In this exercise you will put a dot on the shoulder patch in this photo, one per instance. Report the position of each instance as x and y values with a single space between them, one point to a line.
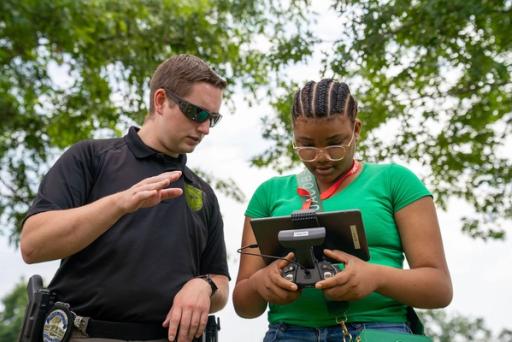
194 197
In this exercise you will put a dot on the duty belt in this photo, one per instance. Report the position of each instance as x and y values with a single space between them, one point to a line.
60 321
124 330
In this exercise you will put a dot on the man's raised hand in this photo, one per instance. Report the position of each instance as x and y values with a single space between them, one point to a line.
150 192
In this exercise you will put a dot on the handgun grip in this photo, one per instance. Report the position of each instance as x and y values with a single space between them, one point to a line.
39 301
35 283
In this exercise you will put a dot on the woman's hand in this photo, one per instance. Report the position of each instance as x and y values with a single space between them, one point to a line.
357 280
272 286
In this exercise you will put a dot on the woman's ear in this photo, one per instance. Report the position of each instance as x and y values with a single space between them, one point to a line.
357 128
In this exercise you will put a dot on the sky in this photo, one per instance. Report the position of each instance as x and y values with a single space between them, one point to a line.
480 270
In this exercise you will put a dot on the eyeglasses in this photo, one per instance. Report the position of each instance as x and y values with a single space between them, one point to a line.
332 152
194 112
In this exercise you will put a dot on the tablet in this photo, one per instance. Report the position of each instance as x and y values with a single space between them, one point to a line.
344 231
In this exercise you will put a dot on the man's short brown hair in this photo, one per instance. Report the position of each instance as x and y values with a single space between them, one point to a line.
179 73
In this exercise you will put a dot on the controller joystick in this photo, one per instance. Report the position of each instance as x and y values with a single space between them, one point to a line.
308 277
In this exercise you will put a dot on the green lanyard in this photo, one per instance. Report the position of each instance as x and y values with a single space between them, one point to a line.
308 188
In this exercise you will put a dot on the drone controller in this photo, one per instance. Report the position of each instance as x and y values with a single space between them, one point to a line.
306 270
307 277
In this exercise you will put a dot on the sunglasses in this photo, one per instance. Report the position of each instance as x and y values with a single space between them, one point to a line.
194 112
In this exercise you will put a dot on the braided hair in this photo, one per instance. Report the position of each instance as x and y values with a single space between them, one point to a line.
324 99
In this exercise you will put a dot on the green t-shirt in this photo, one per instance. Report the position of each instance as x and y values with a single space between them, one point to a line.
379 192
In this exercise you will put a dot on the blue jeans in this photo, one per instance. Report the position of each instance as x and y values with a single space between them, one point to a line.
283 332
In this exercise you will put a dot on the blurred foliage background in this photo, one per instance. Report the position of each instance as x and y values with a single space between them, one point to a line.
437 72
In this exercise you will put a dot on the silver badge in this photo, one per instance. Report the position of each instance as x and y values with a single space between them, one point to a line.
56 325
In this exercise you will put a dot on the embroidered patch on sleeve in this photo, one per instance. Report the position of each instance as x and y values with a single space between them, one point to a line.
194 197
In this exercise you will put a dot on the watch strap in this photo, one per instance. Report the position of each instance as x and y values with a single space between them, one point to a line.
210 281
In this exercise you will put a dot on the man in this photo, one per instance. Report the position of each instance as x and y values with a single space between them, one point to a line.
142 259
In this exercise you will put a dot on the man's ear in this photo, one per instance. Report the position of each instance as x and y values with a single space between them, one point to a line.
159 99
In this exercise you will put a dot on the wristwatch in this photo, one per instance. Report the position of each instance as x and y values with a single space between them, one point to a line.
210 281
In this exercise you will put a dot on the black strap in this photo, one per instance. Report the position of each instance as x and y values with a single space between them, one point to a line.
415 322
125 330
337 308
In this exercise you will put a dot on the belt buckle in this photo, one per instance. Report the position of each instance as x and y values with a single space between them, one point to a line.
81 324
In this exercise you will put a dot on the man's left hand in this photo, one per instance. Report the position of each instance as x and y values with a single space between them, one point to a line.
189 311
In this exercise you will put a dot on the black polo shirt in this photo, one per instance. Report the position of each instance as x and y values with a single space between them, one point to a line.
133 271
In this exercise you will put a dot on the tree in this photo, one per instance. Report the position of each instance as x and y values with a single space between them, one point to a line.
11 317
453 328
71 70
439 73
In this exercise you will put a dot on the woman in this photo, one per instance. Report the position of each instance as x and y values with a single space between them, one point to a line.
399 217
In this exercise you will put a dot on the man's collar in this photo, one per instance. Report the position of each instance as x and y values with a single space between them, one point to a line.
140 150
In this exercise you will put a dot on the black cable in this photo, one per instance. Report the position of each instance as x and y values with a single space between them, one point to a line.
255 245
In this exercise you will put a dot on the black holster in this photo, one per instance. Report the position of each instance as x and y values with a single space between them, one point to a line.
211 331
40 300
